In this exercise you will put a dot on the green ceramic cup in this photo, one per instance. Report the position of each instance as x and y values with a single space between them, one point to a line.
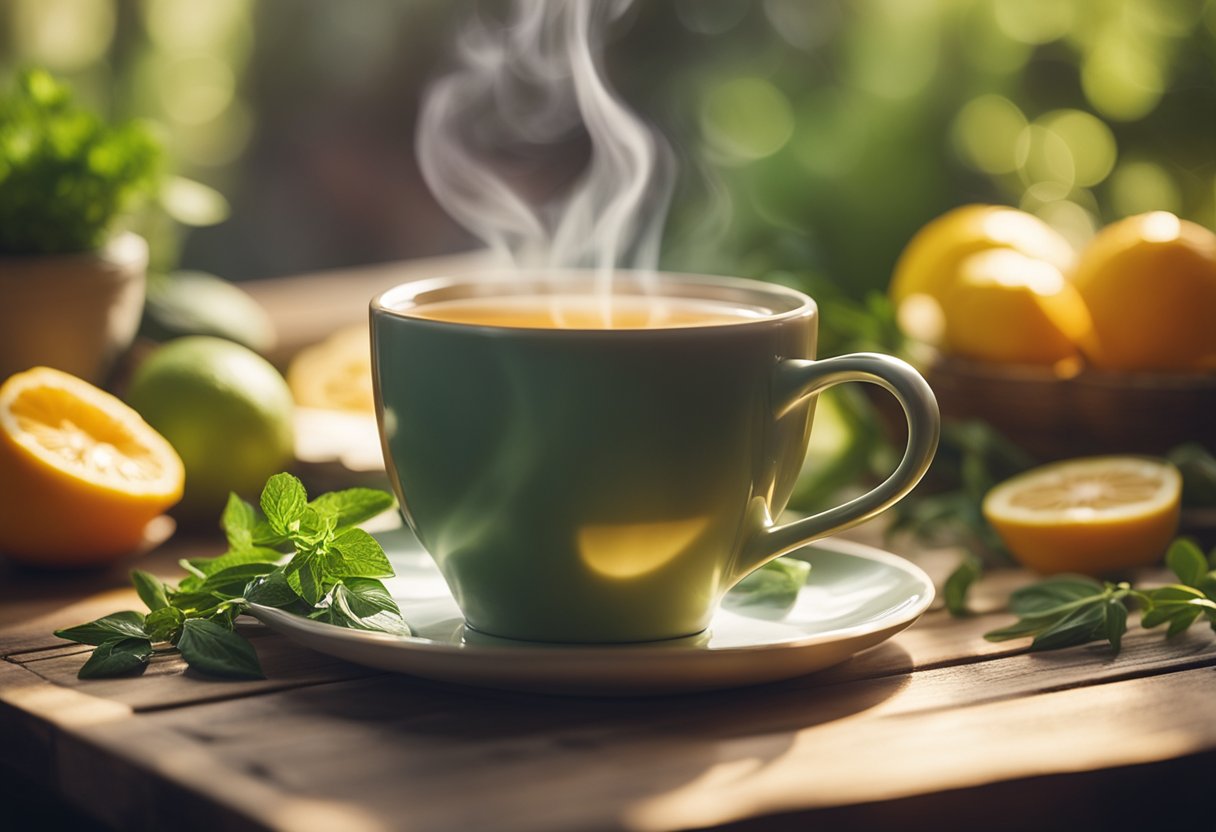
610 485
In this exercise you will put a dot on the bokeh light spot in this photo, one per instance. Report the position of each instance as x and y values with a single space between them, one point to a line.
746 118
63 35
1035 21
1089 140
196 90
1043 156
1140 186
1121 80
986 131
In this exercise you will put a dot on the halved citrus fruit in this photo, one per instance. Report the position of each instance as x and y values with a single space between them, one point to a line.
82 474
1094 515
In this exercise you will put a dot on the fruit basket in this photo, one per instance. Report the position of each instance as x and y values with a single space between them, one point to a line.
1091 412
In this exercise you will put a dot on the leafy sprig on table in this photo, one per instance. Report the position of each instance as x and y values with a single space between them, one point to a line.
1068 610
307 557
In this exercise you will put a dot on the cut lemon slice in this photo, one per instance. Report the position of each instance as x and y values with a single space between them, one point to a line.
1093 516
82 473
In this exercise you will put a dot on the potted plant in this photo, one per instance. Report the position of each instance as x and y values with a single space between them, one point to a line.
71 280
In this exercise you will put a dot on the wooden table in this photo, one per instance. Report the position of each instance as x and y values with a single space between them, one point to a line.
936 729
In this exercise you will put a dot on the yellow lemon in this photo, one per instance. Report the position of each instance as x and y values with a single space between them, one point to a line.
335 374
929 264
1012 309
1150 284
1093 515
81 474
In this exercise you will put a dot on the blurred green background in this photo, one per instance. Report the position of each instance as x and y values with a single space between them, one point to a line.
815 135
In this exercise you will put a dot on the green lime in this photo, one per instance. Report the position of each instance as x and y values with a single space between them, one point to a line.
197 303
226 411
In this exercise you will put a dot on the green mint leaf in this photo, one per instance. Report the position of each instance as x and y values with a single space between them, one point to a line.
238 522
264 535
955 590
1186 560
306 575
1175 593
213 649
283 502
772 588
117 657
164 624
150 588
1116 624
194 571
1080 626
231 582
353 505
128 624
365 604
1019 629
272 590
314 528
356 554
205 567
1182 621
1051 594
194 602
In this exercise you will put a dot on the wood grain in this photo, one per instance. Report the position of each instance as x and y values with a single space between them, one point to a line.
399 754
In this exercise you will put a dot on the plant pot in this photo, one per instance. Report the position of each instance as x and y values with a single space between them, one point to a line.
73 312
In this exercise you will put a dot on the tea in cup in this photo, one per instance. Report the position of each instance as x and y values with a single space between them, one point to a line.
603 468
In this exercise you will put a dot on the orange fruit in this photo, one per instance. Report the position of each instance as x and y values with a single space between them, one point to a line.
1012 309
1150 284
1093 516
82 474
930 263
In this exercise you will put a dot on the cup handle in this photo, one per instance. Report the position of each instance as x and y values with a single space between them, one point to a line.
798 378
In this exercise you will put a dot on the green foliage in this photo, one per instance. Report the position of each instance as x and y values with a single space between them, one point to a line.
65 175
329 574
1070 609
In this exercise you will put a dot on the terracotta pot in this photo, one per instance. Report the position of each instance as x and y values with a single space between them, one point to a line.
73 312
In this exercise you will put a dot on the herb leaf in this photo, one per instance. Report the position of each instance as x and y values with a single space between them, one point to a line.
151 589
238 522
127 624
117 657
353 505
216 650
775 586
1186 560
958 584
359 555
283 502
330 575
273 590
365 604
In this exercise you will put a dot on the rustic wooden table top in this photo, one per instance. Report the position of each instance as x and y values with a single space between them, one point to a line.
936 728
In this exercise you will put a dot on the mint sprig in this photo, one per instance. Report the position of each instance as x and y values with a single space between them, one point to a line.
307 557
1068 610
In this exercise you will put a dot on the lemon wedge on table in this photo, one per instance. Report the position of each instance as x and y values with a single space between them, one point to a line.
81 474
1093 515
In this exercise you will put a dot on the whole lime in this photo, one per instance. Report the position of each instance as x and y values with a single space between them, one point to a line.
225 410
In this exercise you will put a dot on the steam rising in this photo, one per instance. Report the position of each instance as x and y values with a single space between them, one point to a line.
533 81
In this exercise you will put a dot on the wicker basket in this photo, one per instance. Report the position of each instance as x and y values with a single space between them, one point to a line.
1093 412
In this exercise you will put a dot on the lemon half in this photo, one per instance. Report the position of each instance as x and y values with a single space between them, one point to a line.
1094 515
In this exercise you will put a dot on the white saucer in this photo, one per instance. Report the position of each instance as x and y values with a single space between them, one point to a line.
855 597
